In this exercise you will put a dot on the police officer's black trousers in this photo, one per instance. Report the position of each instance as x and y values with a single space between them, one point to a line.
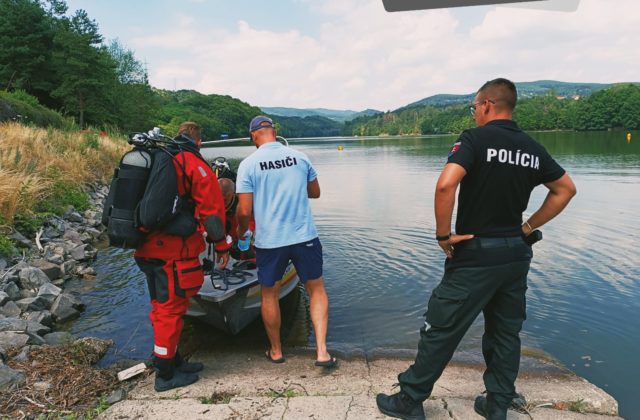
499 292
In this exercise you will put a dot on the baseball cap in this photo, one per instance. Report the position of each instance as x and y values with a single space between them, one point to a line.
260 122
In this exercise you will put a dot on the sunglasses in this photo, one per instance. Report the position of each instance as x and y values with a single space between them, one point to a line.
473 107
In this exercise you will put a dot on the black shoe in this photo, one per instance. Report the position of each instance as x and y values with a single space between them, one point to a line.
488 410
187 367
400 406
190 367
178 379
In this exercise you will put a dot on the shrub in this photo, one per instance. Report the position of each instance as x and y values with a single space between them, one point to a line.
28 224
22 96
24 108
63 195
6 247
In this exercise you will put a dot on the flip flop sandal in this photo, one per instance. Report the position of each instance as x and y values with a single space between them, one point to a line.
331 363
271 359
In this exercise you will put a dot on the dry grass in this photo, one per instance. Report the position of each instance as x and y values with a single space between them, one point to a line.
31 159
58 381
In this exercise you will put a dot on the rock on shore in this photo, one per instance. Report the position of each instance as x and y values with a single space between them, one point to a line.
33 301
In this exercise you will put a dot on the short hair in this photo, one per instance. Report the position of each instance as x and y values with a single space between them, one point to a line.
190 128
501 90
227 186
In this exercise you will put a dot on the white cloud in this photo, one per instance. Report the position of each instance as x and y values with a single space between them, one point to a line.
365 57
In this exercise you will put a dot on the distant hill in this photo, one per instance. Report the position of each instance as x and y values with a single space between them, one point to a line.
333 114
310 126
543 106
525 90
217 114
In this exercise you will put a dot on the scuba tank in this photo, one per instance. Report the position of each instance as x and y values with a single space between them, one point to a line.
143 195
222 169
126 190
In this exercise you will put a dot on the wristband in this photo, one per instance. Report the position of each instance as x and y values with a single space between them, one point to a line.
444 237
224 244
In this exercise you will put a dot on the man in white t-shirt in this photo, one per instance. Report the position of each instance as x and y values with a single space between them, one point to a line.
275 184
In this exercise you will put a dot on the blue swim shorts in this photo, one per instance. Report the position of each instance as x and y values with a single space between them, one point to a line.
306 258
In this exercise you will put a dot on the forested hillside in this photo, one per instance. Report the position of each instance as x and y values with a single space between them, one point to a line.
56 69
332 114
64 62
216 114
525 90
312 126
615 107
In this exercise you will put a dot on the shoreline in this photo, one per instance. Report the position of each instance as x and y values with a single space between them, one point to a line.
244 385
38 357
546 380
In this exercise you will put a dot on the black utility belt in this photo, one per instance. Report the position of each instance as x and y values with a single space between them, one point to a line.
485 243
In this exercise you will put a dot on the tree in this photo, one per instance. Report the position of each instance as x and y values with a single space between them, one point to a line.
26 36
56 8
85 71
629 113
87 28
128 68
134 100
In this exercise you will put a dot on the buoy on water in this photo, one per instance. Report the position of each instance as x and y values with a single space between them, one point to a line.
340 148
628 137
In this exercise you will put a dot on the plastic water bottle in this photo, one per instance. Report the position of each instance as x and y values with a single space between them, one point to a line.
245 241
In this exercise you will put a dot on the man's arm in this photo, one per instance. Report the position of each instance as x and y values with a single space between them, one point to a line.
561 191
445 199
313 189
243 212
205 193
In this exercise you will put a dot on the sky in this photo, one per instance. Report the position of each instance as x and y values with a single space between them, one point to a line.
352 54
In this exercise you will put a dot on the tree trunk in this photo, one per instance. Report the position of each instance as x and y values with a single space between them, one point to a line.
81 121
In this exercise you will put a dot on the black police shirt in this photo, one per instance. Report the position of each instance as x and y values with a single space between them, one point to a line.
503 164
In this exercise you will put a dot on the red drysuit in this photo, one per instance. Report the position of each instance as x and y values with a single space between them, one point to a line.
171 263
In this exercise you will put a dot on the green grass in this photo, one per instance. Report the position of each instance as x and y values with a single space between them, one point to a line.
91 141
80 351
218 398
287 393
102 406
578 406
63 195
28 224
6 247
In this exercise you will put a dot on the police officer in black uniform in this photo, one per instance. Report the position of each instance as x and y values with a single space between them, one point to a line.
497 165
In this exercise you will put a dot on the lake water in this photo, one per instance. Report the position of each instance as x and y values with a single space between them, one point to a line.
375 219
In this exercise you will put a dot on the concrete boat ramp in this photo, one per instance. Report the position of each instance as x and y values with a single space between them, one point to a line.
245 385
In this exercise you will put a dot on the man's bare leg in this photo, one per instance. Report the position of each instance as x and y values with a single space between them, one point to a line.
319 315
271 318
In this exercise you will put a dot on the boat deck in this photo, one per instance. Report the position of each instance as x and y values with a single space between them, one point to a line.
220 285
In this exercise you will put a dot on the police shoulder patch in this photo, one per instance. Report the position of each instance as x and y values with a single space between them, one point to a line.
456 147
